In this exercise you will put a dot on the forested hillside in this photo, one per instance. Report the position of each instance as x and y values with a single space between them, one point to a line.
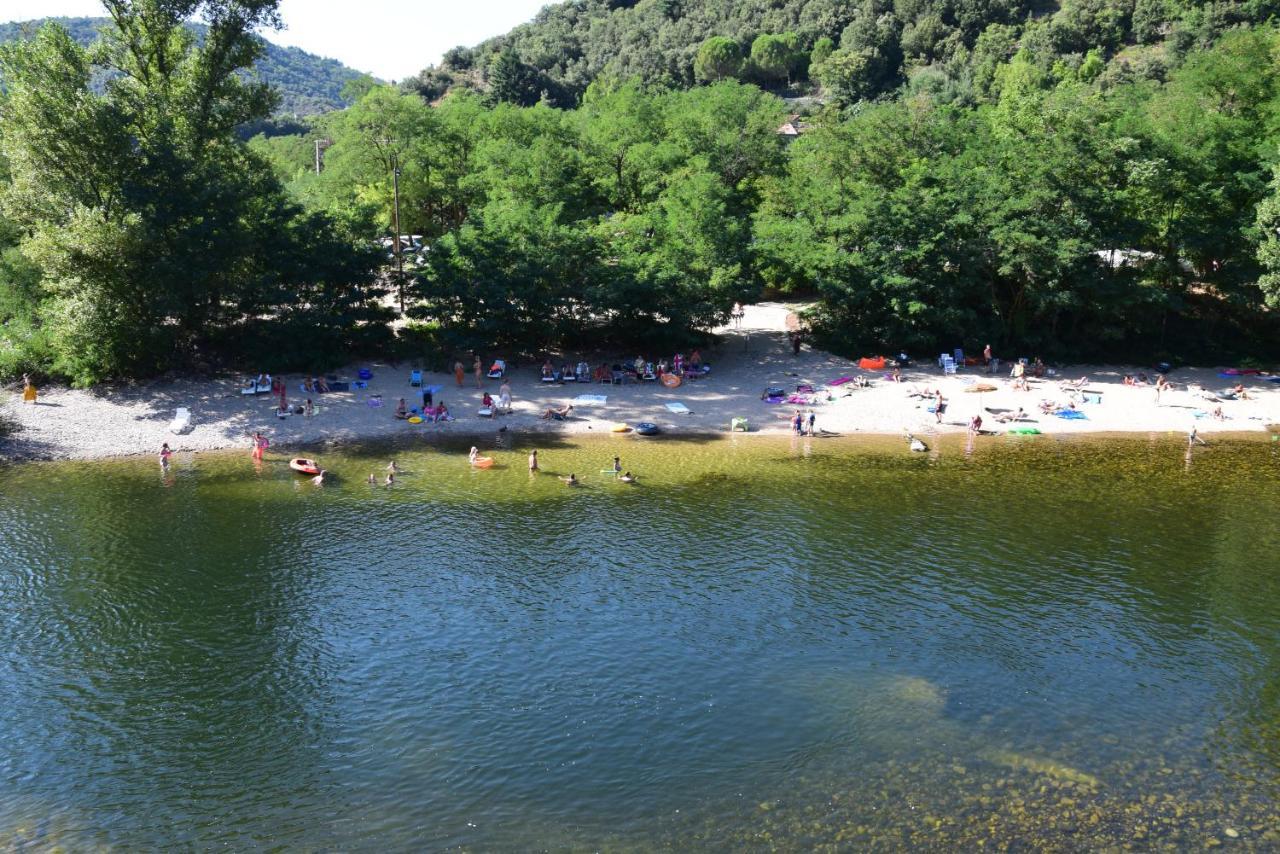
853 49
308 84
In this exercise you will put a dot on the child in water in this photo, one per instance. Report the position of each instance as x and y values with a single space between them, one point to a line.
165 454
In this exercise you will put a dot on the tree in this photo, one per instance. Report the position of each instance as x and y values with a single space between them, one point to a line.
718 58
511 80
146 214
771 57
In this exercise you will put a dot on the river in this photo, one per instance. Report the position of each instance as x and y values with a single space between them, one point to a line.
762 643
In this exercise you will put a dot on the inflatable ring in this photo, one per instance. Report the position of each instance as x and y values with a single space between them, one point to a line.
482 462
620 428
671 380
414 419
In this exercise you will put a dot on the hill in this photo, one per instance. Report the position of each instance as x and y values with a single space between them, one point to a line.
308 84
853 49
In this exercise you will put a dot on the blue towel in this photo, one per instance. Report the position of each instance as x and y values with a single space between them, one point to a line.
1071 414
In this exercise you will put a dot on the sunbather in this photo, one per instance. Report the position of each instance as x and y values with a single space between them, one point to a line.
402 411
321 385
559 414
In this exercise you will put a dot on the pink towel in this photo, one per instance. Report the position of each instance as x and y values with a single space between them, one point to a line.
841 381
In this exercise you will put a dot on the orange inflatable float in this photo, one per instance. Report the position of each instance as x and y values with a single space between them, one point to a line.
671 380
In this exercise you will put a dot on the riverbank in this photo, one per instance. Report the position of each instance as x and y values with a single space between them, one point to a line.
125 420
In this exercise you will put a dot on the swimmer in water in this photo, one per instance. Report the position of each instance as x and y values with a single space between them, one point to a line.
533 460
392 467
318 480
628 478
391 479
617 465
372 478
571 480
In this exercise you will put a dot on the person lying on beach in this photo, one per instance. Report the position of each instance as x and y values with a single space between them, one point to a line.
1049 406
558 414
1077 384
1006 417
571 480
402 411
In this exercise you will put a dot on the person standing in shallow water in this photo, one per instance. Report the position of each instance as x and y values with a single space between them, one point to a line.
533 460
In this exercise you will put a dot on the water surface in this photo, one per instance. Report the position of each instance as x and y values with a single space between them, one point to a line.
763 643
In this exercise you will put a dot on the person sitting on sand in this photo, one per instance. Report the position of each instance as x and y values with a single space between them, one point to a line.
548 372
441 413
322 385
309 385
558 414
402 411
639 364
627 477
486 402
1218 414
308 410
897 374
1037 367
571 480
975 424
1240 393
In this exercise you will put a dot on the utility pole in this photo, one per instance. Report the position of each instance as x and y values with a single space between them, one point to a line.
395 183
321 145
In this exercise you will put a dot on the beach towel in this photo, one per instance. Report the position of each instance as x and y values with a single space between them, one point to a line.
773 400
677 407
1071 414
840 381
591 400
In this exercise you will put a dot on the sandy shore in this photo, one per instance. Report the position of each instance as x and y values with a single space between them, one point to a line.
134 419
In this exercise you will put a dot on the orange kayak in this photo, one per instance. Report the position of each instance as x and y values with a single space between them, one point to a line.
304 465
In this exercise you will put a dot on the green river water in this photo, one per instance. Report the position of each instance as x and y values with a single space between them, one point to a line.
765 643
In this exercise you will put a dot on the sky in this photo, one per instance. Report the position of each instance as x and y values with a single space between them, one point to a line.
390 39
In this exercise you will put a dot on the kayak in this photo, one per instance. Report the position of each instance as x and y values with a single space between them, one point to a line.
302 465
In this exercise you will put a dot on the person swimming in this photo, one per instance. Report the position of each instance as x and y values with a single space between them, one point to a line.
571 480
392 467
628 477
373 479
391 479
318 480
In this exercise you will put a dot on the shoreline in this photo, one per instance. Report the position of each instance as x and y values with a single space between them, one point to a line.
131 420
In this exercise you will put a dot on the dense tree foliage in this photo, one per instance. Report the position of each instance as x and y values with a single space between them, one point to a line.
307 84
1089 182
158 237
855 49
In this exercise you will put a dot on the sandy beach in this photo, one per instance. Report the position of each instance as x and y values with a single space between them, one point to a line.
124 420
